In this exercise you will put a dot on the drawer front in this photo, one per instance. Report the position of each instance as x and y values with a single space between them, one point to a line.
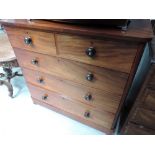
109 54
107 80
144 117
147 99
36 41
132 129
83 111
100 100
75 117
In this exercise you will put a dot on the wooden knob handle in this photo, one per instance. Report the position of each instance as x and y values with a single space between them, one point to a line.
34 61
44 97
40 80
28 40
87 114
89 76
91 52
88 97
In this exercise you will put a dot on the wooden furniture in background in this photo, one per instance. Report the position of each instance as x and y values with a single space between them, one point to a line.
80 71
141 116
7 61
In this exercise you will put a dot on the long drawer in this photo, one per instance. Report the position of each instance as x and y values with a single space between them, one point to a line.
144 117
75 117
110 54
98 99
83 111
36 41
103 79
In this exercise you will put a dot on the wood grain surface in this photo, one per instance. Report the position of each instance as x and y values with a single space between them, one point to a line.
75 117
42 42
147 99
138 30
144 117
58 55
104 79
134 129
109 54
104 119
101 100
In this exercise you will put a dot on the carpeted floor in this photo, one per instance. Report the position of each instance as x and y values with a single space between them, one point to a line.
19 116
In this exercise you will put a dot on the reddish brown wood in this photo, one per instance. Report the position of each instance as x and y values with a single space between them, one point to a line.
70 115
56 54
104 79
76 108
139 30
101 100
42 42
109 54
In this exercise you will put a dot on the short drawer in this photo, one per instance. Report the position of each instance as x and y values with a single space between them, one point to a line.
134 129
144 117
147 99
104 53
36 41
83 111
98 99
103 79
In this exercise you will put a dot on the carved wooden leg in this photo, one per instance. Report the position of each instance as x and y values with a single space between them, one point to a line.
9 86
7 68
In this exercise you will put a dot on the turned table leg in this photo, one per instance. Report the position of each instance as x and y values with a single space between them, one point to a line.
8 74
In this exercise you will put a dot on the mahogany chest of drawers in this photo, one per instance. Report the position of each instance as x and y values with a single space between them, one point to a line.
82 72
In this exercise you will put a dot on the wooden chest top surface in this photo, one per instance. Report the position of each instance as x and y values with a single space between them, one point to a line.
139 30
